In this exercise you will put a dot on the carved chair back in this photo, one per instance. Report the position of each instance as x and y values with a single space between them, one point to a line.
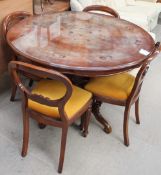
40 5
9 21
16 68
141 74
102 8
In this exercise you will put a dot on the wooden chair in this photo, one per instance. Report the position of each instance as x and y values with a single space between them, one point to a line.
50 6
53 101
7 23
13 18
121 89
41 4
101 8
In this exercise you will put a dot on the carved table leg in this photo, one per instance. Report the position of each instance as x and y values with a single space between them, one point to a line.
96 111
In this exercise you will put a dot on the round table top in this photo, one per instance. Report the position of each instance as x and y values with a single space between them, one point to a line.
81 43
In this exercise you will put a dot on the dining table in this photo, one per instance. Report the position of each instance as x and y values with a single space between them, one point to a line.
82 44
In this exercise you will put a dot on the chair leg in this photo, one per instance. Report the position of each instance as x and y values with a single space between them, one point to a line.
81 126
125 125
25 133
31 83
41 126
62 149
13 94
137 111
86 122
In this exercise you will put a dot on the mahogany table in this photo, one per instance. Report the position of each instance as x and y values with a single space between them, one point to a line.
81 43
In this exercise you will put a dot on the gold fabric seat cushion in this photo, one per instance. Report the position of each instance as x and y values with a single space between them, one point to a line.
55 90
116 86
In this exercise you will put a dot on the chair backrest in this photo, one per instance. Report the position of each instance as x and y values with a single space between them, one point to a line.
12 19
16 68
38 6
101 8
141 74
50 1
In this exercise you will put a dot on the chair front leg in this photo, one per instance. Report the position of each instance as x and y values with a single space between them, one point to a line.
25 132
62 149
125 125
137 111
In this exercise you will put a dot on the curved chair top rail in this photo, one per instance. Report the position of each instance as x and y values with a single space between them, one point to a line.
11 19
102 8
141 74
50 1
16 67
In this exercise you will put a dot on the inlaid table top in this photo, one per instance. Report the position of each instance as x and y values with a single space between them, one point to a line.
81 43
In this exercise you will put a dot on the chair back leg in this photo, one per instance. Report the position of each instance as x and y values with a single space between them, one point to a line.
81 126
31 83
13 93
25 132
62 149
41 126
137 111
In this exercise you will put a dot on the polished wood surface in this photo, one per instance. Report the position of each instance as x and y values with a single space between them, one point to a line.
9 6
81 43
101 8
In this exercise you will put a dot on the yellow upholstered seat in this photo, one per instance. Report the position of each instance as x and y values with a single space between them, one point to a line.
55 90
116 86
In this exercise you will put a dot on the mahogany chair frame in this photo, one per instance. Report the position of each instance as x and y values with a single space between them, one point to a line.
133 98
101 8
7 23
16 68
12 19
41 4
50 2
